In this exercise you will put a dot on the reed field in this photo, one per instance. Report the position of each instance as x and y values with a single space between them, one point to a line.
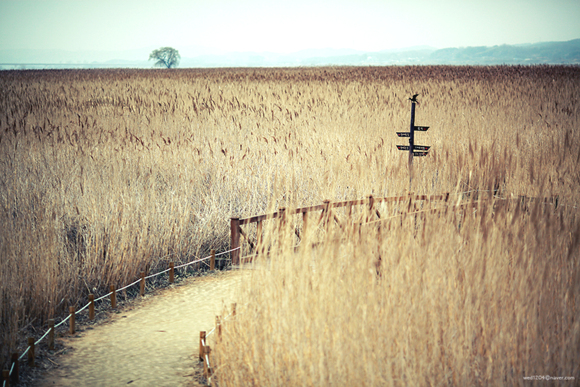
104 173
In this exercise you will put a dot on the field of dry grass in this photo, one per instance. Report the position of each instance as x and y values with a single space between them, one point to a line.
106 172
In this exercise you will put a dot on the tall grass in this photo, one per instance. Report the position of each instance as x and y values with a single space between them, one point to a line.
104 171
467 297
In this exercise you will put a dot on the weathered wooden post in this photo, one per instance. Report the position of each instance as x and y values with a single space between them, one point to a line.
171 272
212 260
218 327
258 234
91 307
282 215
371 206
113 297
51 333
379 242
71 320
304 233
326 213
206 367
16 370
6 378
31 351
281 226
235 240
201 344
142 284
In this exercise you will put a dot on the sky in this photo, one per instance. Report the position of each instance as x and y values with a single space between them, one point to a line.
282 26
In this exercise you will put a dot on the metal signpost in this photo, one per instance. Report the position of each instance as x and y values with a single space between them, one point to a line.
414 150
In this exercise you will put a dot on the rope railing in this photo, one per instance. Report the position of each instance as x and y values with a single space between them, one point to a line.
7 375
205 350
106 295
24 353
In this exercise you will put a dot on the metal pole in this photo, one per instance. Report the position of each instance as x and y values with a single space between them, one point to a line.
411 143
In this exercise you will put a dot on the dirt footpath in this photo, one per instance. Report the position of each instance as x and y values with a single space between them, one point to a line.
155 344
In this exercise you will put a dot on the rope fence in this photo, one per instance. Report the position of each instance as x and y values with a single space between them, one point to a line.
12 375
205 350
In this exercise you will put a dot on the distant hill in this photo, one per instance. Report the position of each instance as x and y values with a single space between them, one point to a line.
538 53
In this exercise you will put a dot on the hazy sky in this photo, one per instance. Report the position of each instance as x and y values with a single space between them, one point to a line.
283 26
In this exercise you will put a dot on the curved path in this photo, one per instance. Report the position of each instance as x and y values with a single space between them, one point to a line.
155 344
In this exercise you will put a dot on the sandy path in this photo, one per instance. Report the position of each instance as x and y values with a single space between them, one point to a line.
154 344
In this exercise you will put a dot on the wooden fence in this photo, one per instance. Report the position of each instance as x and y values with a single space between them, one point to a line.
373 214
236 231
205 349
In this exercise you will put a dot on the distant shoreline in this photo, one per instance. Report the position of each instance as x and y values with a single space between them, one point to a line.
548 53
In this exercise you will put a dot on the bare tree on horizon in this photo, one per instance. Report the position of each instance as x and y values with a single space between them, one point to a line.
166 57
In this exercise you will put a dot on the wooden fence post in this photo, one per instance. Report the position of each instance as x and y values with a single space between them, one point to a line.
171 272
113 297
349 222
201 344
142 284
281 225
234 309
206 366
258 235
16 371
31 351
91 307
326 212
235 240
379 258
218 327
371 206
71 320
51 333
212 260
6 378
282 216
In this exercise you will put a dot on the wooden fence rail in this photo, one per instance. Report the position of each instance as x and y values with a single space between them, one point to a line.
236 232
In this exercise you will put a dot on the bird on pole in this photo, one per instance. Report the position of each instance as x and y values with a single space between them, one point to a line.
414 99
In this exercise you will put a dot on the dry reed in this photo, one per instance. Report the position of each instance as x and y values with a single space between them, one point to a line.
102 172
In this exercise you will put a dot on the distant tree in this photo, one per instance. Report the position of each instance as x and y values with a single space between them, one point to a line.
165 57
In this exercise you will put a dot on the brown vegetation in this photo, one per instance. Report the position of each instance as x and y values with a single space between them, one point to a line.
102 172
